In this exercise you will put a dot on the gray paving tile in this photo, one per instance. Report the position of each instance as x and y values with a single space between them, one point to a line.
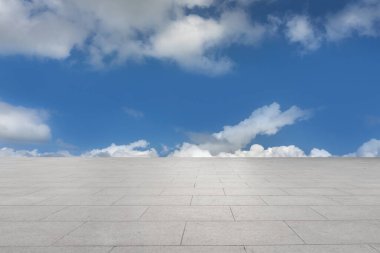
15 191
55 249
155 200
21 200
130 191
80 200
349 212
179 249
298 200
254 191
362 191
337 232
26 213
34 233
68 190
193 191
227 200
188 213
125 233
315 191
356 200
246 213
239 233
311 249
98 213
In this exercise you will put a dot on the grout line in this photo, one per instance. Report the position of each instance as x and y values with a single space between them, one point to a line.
191 201
318 212
117 200
232 213
53 244
111 249
372 247
294 231
143 213
44 218
266 203
183 233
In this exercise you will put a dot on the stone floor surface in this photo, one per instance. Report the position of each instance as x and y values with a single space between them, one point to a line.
131 205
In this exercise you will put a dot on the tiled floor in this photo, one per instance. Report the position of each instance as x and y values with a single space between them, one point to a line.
64 205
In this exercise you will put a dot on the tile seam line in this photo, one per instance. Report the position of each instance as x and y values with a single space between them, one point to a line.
173 245
71 231
146 210
57 211
183 233
111 249
295 232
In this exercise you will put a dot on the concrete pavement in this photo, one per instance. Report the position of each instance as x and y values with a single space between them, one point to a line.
208 205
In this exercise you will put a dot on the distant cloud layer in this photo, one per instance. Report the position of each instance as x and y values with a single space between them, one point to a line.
370 148
190 33
267 120
26 124
23 124
134 149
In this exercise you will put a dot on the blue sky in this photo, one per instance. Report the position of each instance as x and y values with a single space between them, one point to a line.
319 56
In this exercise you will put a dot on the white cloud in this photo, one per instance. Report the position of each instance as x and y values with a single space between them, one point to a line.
10 152
134 149
190 150
133 113
26 28
300 30
370 148
267 120
361 18
116 31
315 152
256 150
259 151
23 124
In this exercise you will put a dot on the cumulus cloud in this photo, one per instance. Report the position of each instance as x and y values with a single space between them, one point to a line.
315 152
190 33
134 149
256 150
300 30
190 150
259 151
26 28
115 31
267 120
370 148
23 124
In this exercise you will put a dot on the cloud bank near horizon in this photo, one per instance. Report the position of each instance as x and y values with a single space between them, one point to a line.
27 124
194 34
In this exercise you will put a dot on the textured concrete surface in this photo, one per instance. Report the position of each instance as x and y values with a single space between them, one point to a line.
190 205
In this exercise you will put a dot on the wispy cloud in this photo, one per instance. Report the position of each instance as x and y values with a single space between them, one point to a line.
133 113
267 120
135 149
